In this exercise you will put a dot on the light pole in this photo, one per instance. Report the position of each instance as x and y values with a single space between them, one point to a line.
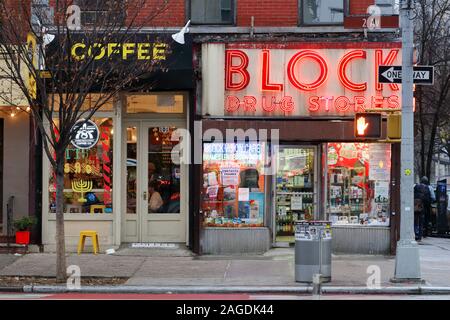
407 262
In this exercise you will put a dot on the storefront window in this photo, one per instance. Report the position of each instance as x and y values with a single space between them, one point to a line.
88 175
323 12
167 103
358 183
233 184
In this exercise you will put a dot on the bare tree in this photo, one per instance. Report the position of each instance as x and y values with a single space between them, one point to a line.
57 101
432 34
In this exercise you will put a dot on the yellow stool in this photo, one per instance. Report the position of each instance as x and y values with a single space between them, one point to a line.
88 233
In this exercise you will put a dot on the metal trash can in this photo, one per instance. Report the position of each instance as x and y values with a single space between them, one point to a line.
312 250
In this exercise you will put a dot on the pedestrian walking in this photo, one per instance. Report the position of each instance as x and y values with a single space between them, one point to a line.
428 210
422 203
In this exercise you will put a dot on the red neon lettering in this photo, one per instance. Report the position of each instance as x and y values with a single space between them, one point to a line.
240 69
360 103
393 102
266 86
296 59
250 103
380 62
314 104
343 66
287 104
342 104
377 101
232 104
327 100
266 107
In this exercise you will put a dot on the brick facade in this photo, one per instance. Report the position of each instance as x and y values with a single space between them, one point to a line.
266 13
280 13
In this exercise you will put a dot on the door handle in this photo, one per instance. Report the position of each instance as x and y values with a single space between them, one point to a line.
144 195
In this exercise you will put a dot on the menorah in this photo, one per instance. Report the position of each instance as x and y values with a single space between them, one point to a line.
82 187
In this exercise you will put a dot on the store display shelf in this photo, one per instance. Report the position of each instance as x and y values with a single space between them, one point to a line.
285 234
298 187
296 193
233 228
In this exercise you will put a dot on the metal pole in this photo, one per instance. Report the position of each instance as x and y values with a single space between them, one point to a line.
407 263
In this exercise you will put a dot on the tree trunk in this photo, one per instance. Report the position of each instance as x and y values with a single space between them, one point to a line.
61 271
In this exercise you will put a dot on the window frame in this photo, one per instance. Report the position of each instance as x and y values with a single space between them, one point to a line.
188 4
98 11
302 23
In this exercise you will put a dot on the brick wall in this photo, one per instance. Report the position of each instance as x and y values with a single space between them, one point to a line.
161 13
154 13
280 13
359 6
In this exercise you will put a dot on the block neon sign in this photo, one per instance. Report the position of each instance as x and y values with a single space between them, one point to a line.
319 81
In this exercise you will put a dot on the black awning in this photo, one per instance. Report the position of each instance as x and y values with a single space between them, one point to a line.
169 63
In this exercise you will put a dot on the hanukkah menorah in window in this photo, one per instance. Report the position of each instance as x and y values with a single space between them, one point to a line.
82 186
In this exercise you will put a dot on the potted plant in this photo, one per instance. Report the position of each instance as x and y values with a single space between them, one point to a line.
22 227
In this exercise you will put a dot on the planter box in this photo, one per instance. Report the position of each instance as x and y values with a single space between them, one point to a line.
22 237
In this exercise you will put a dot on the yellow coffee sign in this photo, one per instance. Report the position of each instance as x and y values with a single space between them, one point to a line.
124 51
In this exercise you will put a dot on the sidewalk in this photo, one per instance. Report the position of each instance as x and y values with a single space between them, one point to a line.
273 269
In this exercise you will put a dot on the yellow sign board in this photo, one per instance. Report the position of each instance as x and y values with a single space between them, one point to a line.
32 45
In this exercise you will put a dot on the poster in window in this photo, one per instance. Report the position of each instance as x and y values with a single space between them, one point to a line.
379 161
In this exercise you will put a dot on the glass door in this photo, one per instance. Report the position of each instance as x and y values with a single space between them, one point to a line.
154 197
295 194
162 215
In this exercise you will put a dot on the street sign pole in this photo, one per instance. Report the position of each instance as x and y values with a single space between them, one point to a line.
407 263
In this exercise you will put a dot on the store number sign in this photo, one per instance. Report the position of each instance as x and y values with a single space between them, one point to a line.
86 134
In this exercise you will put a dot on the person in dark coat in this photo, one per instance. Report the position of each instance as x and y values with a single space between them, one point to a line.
422 202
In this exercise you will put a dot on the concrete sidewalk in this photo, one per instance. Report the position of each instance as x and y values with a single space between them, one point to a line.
275 268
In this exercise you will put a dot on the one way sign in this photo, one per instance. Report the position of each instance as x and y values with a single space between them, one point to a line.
393 74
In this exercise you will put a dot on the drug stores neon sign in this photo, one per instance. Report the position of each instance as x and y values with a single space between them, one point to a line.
327 79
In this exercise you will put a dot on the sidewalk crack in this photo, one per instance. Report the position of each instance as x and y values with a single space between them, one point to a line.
137 268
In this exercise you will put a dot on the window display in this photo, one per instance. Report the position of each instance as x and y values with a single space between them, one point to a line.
233 184
88 175
358 183
294 190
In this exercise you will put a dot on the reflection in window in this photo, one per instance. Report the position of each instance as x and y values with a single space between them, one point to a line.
233 184
358 183
88 175
323 12
164 176
155 103
131 169
212 11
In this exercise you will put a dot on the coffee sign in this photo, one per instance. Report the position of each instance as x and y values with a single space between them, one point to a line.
86 135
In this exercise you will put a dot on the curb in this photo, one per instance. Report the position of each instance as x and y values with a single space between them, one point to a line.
11 289
415 290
